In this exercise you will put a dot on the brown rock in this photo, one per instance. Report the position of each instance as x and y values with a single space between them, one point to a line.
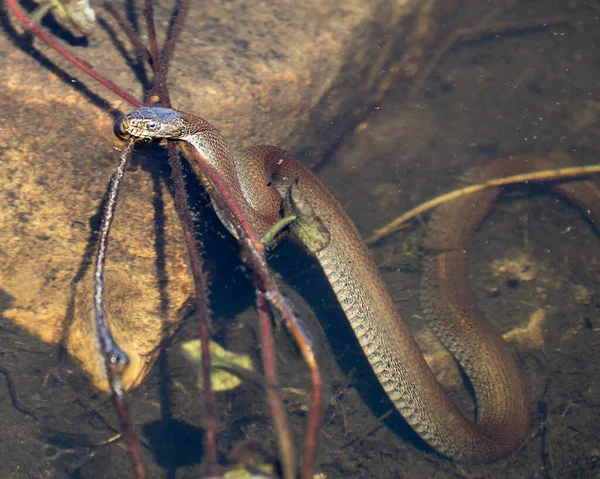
278 72
50 197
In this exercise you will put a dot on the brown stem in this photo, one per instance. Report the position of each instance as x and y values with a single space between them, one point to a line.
272 293
131 35
148 12
169 48
13 396
287 451
160 85
122 408
112 356
201 306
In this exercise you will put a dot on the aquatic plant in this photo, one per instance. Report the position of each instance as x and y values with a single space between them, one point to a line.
268 297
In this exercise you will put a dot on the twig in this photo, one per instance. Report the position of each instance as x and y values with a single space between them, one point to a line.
182 8
13 396
106 442
160 86
558 174
148 13
113 358
287 451
201 305
131 439
131 35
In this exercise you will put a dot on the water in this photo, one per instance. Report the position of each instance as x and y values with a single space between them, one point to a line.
532 93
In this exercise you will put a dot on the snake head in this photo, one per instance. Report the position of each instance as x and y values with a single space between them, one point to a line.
150 123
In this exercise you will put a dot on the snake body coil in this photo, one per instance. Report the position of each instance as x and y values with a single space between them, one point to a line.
260 179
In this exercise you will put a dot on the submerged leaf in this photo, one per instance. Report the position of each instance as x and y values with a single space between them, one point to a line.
222 362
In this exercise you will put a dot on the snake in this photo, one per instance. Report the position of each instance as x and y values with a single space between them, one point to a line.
260 179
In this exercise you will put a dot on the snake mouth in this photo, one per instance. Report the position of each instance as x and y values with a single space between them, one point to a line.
124 130
121 129
138 133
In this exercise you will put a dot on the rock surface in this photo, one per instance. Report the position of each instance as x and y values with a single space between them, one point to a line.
267 72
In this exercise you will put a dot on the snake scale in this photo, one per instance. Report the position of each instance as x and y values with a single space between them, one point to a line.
260 179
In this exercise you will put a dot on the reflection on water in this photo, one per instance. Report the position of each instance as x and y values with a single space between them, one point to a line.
535 256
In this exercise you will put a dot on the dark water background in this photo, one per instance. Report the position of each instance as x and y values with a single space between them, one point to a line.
529 93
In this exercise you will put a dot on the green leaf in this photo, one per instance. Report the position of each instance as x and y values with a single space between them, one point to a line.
220 359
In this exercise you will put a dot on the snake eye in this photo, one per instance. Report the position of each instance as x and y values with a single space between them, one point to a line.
151 125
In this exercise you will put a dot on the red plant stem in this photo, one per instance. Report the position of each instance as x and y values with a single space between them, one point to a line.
159 85
72 58
110 352
222 189
122 409
272 293
287 451
112 357
148 12
169 47
201 307
131 35
250 240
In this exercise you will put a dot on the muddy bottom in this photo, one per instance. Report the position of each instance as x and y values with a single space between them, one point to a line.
533 92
